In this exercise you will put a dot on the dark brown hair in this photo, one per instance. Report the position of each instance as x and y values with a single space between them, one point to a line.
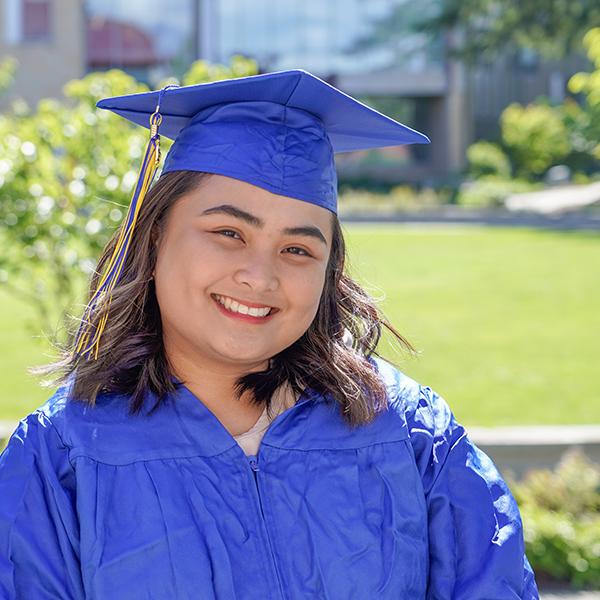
132 358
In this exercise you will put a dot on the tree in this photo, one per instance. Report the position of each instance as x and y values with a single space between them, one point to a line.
535 138
484 28
554 28
7 73
586 120
67 171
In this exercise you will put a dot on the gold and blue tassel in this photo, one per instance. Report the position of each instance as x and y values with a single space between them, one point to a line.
87 340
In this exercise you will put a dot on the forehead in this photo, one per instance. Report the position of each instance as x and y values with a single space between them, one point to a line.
215 190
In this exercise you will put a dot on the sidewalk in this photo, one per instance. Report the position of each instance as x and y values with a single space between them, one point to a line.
570 595
555 200
522 447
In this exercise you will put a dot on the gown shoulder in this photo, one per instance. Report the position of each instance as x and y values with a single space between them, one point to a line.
39 530
476 540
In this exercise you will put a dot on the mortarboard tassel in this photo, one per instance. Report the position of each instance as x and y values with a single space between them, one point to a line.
87 341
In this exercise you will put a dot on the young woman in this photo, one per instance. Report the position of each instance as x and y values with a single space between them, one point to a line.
225 428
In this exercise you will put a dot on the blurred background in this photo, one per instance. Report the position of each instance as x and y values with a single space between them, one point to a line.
482 247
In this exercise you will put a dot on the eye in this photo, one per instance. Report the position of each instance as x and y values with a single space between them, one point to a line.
229 233
301 251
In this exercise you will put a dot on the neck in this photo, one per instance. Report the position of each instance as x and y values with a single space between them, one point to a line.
213 383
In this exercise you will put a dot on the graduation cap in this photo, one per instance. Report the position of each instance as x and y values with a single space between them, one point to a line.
278 131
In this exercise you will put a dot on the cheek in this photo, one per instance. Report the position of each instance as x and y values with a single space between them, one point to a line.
184 272
306 292
172 277
168 292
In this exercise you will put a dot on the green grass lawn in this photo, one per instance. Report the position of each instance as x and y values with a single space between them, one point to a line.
506 320
20 348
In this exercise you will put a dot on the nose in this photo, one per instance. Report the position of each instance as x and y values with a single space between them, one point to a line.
258 273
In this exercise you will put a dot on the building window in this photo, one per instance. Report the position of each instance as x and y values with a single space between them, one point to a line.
36 20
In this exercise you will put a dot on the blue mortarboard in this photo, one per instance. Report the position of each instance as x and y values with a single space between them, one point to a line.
278 131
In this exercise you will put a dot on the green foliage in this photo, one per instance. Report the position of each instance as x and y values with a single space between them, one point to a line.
399 198
586 120
562 547
538 136
561 518
535 137
483 28
203 72
554 28
486 158
491 191
67 171
8 68
62 191
589 83
574 487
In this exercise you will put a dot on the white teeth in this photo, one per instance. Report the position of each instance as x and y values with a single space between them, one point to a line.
234 306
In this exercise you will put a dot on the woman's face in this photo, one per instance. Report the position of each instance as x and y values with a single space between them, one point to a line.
230 248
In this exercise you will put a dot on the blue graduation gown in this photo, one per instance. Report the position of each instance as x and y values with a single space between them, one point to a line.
97 504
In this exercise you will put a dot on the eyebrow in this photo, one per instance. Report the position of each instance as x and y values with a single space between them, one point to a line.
234 211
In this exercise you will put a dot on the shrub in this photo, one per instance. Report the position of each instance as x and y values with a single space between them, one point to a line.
486 158
491 191
8 66
535 138
588 86
63 193
561 519
399 198
562 547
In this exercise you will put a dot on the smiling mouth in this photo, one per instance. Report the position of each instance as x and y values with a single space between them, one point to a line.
237 307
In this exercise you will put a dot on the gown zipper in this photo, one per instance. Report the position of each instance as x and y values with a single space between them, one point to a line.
253 459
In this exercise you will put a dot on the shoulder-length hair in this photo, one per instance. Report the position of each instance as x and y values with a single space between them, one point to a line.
331 357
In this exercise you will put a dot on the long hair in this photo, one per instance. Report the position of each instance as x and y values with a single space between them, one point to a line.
331 357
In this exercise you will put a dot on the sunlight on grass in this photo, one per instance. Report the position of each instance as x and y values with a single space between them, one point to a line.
506 320
20 348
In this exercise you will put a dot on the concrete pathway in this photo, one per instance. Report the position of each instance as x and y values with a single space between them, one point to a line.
533 435
555 200
6 428
521 448
570 595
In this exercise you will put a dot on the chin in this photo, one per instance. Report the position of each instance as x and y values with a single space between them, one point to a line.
250 357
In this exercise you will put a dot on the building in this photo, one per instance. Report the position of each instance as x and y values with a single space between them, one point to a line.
111 42
368 49
47 37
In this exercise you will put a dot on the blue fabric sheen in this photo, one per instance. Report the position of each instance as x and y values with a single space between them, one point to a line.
95 503
278 131
279 148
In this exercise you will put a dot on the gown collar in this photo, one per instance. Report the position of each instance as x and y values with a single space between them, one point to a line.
197 425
